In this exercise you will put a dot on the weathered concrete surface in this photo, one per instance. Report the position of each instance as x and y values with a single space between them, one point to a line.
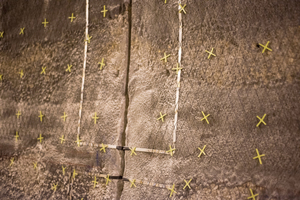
233 87
59 44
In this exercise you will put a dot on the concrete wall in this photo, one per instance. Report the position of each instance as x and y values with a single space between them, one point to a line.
134 86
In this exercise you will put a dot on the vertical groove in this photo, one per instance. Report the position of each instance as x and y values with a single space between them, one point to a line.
84 62
125 98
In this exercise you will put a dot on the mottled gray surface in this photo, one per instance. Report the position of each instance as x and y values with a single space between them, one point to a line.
59 44
233 87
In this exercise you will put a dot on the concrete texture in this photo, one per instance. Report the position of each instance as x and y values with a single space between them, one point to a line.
134 86
59 44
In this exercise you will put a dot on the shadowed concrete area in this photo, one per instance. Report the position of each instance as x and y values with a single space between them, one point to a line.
135 85
58 91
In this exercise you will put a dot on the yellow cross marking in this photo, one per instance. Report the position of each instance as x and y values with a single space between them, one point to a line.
259 156
18 114
165 1
22 31
161 117
40 138
64 116
210 53
62 139
187 184
78 141
54 187
205 117
201 151
21 73
1 77
12 161
104 11
95 182
252 196
17 135
107 179
103 147
45 23
1 34
101 64
177 68
182 8
95 118
74 174
265 47
172 190
165 57
261 120
35 165
132 151
63 168
41 116
171 150
69 68
89 38
44 70
132 183
72 17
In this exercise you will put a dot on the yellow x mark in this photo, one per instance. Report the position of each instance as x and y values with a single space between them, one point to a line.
72 17
171 150
35 165
12 161
103 147
182 8
252 195
132 151
201 151
40 138
161 117
95 182
63 168
44 70
78 141
261 120
45 23
104 11
265 47
107 179
62 139
132 183
210 53
17 135
172 190
177 68
54 187
187 184
74 173
22 31
165 57
88 38
69 68
205 117
101 64
259 156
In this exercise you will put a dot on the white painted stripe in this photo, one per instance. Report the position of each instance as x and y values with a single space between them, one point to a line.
84 62
178 75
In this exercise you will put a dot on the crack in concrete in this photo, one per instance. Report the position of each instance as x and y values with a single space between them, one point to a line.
125 100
